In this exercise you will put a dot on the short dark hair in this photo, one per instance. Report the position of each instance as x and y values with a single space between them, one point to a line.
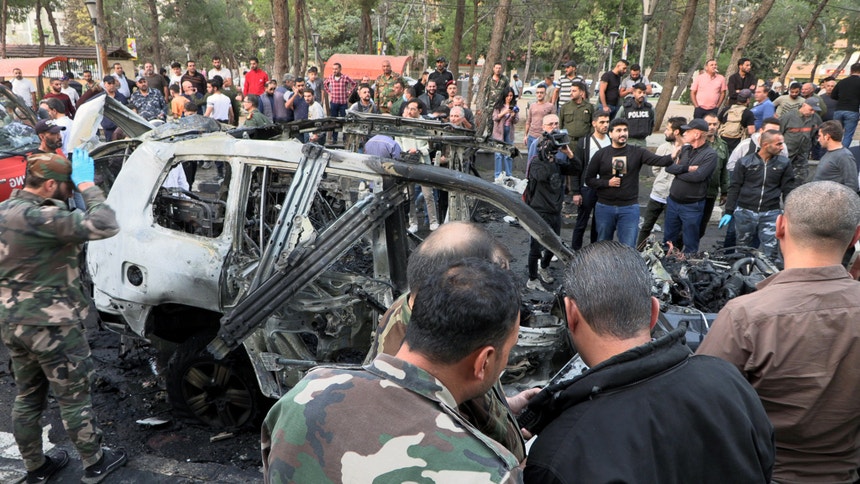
743 60
337 64
253 99
216 82
254 59
174 65
215 57
769 136
312 69
307 90
55 104
771 120
87 71
599 113
833 129
579 85
439 250
191 61
635 67
189 106
463 307
855 67
617 122
624 61
611 286
828 79
676 122
640 86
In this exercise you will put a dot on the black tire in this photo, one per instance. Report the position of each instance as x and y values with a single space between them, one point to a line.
221 394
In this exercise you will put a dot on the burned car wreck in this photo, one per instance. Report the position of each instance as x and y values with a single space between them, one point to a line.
285 264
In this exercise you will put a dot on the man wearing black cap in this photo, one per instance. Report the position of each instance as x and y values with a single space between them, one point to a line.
50 136
561 96
441 75
788 102
42 305
692 169
798 127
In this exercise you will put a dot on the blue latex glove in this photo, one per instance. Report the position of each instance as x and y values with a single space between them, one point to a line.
83 167
724 221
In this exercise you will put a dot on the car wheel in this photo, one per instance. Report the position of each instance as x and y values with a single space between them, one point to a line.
221 394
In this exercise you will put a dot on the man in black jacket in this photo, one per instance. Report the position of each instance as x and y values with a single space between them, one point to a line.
614 173
645 411
686 202
639 115
545 193
758 181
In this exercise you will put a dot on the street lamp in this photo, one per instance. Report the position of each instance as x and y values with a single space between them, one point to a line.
316 38
613 36
92 9
647 13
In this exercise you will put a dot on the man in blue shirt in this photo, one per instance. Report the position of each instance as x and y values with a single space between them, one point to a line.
763 108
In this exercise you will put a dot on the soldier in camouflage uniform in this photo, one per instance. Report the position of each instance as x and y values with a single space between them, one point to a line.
385 95
43 305
396 420
451 242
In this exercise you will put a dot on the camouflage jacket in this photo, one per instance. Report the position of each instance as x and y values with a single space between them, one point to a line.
489 413
39 247
388 422
385 89
494 89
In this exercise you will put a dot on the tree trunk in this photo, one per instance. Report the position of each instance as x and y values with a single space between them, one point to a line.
306 41
281 24
365 34
815 65
424 21
712 30
803 35
297 33
849 51
49 12
494 54
403 25
474 54
525 77
101 30
456 42
40 29
4 18
156 37
677 56
747 34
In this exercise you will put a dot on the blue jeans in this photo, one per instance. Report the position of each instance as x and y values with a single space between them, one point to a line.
611 219
337 111
683 219
751 224
503 162
849 124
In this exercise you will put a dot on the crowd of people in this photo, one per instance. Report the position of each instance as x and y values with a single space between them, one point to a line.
770 396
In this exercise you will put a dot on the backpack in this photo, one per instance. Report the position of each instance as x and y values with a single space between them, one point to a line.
732 128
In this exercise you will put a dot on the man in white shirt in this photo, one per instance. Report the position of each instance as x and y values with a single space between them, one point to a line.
218 70
24 88
69 91
218 106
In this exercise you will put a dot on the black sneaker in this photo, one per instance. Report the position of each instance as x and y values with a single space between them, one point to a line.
111 460
49 468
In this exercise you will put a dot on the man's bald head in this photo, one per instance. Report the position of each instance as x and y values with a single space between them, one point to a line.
550 122
450 243
822 215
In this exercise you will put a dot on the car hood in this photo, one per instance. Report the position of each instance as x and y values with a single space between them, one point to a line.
88 117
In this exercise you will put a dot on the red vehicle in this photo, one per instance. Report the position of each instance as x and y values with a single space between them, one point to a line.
17 140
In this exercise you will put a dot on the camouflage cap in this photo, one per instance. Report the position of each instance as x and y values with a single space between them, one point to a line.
50 166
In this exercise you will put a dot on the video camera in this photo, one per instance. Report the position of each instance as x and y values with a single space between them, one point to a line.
551 142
